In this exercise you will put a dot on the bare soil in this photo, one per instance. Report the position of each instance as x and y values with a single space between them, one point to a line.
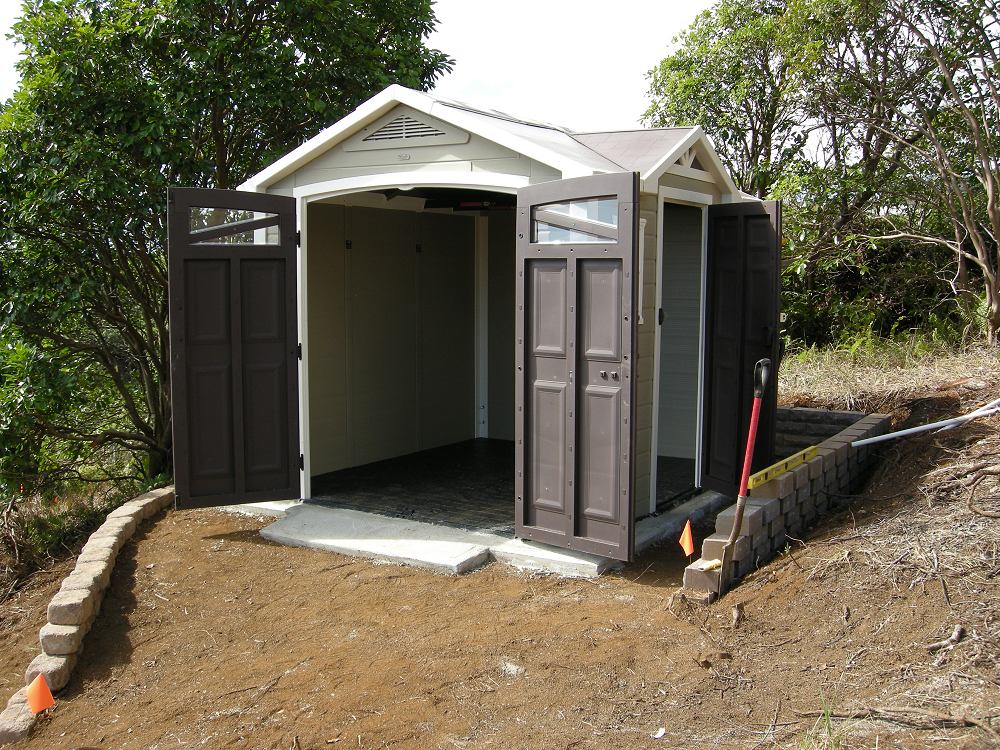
210 636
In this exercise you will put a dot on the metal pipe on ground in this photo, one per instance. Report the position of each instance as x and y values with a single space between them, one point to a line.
945 424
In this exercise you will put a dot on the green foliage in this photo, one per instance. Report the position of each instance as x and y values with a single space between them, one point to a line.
118 100
731 72
874 122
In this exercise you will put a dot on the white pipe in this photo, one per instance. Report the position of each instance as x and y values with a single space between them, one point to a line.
945 424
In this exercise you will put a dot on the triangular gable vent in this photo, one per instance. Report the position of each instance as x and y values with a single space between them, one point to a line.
403 128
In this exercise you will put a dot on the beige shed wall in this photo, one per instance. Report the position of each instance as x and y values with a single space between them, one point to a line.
476 155
391 333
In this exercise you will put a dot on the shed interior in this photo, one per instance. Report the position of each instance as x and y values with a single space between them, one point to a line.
410 299
679 351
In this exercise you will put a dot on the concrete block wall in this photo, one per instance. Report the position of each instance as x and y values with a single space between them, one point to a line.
798 427
791 503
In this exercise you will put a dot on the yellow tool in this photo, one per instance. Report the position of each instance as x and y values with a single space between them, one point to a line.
783 466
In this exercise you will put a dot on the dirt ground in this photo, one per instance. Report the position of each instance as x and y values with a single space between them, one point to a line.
210 636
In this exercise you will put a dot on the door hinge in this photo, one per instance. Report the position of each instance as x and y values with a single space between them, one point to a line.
302 462
347 244
659 316
298 350
298 238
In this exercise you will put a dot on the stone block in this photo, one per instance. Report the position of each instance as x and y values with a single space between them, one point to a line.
800 475
101 540
769 507
752 520
711 548
698 578
788 503
72 606
122 525
815 467
61 640
778 542
15 723
18 698
164 497
97 555
777 526
57 670
88 575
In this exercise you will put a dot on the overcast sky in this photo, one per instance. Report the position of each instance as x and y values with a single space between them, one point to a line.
576 63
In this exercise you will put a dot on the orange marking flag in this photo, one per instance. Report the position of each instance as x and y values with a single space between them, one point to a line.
687 539
39 695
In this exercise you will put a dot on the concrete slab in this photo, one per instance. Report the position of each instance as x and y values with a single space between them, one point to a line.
275 508
668 526
397 540
542 558
453 550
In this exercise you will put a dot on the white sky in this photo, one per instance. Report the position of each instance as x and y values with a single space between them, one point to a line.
576 63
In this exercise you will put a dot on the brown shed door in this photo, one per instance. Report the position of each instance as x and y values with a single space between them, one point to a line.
575 334
233 346
741 327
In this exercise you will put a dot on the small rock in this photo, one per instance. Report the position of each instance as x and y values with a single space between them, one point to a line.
510 669
658 734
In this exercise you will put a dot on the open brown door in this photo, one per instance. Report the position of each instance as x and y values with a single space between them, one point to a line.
742 303
574 390
233 346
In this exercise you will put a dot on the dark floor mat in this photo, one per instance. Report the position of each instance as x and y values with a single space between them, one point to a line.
674 480
467 485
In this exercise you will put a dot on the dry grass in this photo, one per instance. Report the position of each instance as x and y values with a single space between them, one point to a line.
943 539
880 379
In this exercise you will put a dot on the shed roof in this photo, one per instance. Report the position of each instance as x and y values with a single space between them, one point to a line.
634 150
649 152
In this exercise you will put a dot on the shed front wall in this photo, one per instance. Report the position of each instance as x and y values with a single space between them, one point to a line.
476 155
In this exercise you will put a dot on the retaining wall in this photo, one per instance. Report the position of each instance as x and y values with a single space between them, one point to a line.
793 502
76 605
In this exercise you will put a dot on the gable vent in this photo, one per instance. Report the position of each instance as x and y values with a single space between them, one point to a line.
403 128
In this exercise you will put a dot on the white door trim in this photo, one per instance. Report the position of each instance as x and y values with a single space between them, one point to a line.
301 214
702 201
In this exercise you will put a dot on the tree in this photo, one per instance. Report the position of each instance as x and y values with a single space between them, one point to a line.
910 91
120 99
732 73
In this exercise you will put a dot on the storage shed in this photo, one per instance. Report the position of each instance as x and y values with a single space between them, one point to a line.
438 300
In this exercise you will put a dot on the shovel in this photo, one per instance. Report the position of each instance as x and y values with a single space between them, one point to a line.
761 371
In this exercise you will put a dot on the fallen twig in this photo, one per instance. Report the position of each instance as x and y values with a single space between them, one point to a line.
948 642
917 718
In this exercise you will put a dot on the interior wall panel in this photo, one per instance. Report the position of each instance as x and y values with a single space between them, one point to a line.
679 343
328 386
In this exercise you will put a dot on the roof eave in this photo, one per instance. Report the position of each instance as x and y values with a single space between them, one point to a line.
382 103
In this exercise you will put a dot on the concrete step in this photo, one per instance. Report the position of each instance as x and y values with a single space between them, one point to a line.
397 540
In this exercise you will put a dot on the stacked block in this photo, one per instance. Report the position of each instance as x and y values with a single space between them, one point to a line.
793 502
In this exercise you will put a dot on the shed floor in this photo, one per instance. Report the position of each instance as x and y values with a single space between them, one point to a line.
468 485
674 480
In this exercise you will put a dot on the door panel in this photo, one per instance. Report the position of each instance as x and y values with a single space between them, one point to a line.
741 328
576 246
233 342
